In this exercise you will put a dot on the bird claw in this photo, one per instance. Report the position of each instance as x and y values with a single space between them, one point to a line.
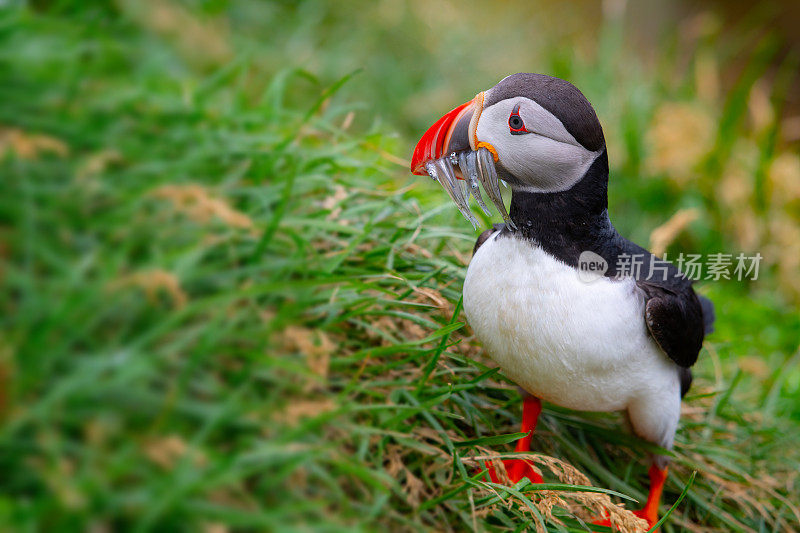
641 513
516 470
651 520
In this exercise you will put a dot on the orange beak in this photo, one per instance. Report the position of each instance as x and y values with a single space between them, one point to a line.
451 133
450 151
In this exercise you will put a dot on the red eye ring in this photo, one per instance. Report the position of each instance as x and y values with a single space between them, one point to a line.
516 126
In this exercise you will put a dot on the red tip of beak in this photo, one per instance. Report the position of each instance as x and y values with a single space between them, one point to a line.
433 144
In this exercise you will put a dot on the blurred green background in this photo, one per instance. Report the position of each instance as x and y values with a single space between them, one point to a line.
227 305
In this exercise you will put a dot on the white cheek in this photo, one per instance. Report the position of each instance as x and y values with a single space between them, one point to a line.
544 163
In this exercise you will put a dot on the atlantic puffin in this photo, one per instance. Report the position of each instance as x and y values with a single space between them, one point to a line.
570 310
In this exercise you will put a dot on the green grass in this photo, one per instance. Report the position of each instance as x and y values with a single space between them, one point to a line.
222 307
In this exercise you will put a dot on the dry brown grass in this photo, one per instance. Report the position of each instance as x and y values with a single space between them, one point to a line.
662 236
27 145
154 281
197 203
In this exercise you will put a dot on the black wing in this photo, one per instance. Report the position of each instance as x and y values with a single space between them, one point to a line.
677 318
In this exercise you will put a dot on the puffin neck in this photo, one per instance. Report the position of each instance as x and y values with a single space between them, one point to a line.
570 221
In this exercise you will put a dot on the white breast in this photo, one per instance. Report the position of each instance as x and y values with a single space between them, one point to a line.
583 345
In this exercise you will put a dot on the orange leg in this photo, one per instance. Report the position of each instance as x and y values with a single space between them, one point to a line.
519 468
650 510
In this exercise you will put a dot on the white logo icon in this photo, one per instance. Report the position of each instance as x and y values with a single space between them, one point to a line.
591 266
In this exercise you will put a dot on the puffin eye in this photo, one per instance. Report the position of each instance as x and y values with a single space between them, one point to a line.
516 126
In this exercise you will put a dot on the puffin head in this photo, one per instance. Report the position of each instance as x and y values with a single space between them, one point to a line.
536 132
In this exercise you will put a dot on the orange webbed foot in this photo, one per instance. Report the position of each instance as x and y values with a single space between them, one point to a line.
517 469
642 513
650 511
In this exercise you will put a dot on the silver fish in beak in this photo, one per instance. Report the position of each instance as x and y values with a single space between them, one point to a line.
450 153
